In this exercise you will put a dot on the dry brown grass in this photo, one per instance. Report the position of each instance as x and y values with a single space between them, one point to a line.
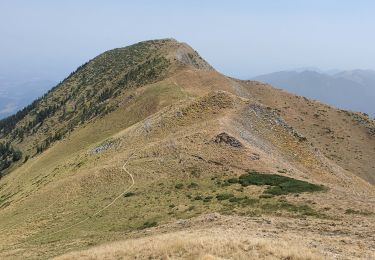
340 135
166 154
205 245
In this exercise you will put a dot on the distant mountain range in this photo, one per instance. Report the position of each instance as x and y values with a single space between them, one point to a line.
17 93
352 89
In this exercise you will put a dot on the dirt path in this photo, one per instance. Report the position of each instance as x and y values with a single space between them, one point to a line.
97 212
107 206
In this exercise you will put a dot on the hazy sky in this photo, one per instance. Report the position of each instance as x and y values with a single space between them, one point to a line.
50 38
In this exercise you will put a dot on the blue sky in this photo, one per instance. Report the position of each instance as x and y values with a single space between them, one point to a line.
50 38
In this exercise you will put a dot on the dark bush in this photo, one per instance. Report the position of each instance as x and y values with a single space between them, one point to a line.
17 155
207 199
266 196
129 194
198 197
26 158
8 155
224 196
179 186
191 208
279 184
192 185
232 180
149 224
358 212
235 199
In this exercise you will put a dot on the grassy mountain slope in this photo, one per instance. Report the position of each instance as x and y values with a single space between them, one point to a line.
345 137
195 142
95 89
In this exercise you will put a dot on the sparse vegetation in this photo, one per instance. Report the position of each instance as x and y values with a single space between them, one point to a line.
224 196
26 158
303 210
219 192
358 212
193 185
266 196
179 186
198 197
129 194
149 224
207 198
8 155
84 95
232 180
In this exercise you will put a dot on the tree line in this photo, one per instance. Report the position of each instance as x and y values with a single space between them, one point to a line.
8 155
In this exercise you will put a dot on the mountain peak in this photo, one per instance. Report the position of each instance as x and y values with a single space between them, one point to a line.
188 56
97 88
177 53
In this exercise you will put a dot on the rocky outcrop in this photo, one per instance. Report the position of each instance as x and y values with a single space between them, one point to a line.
227 139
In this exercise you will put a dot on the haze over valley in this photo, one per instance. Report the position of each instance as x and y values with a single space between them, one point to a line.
16 93
351 89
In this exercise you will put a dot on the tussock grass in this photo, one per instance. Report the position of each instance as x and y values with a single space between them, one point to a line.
148 224
224 196
358 212
129 194
179 186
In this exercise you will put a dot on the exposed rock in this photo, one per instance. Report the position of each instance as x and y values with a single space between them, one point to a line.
186 55
103 146
182 222
300 137
227 139
255 156
271 115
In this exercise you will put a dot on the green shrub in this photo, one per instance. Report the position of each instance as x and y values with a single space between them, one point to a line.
26 158
207 199
198 197
293 186
191 208
129 194
224 196
232 180
357 212
303 210
179 186
148 224
266 196
225 184
236 199
279 184
17 155
192 185
249 201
